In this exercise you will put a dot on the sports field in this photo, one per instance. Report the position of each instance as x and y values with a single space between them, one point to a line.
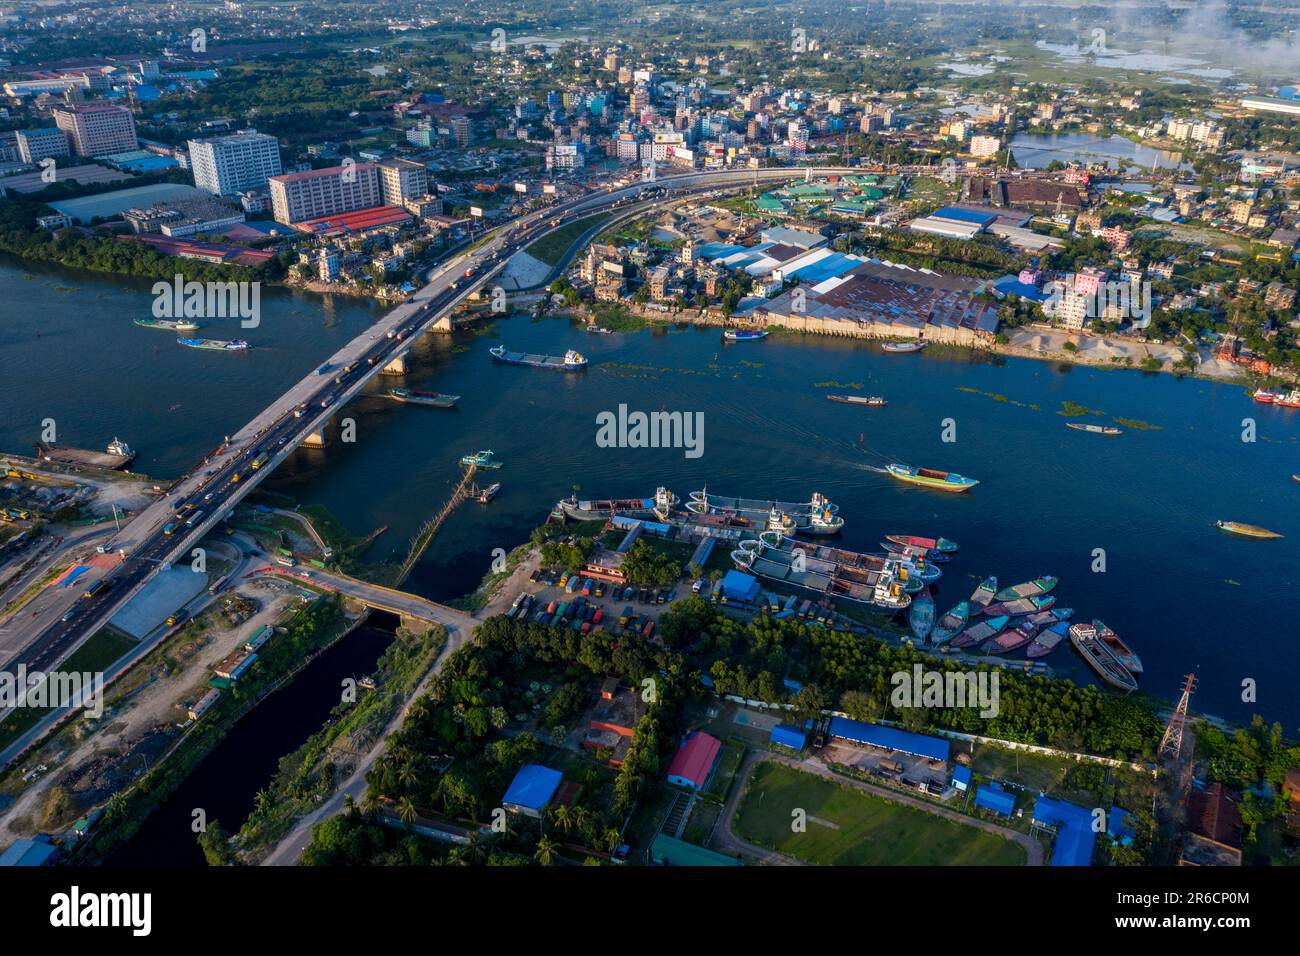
846 827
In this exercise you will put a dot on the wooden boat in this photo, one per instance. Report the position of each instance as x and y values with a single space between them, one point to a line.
921 616
1021 606
915 345
1048 640
983 595
1015 637
930 478
1095 429
947 626
1243 530
1121 651
1028 589
871 401
916 541
980 632
1100 658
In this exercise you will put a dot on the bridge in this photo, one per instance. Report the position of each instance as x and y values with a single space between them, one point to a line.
163 534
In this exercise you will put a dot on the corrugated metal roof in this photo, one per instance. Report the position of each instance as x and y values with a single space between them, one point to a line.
889 738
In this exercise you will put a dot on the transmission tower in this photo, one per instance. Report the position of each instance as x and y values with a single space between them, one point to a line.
1172 742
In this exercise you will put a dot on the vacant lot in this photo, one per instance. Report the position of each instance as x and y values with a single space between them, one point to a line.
846 827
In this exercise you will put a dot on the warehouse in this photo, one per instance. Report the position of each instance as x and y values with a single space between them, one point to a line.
992 797
1074 833
694 761
784 735
531 790
889 738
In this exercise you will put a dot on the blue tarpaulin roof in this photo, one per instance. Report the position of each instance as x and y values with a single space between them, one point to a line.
533 786
890 738
992 797
788 736
961 775
1074 834
740 586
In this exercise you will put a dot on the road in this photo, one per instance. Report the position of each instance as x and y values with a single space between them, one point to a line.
170 527
372 595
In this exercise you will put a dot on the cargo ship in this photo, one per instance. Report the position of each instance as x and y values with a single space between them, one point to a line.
215 345
981 631
816 516
1243 530
482 459
743 335
942 545
930 478
871 401
596 509
1028 589
896 347
880 588
947 627
1100 658
921 617
171 325
984 595
850 562
413 396
571 361
1095 429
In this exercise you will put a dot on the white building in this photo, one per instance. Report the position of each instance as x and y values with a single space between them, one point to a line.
296 197
225 165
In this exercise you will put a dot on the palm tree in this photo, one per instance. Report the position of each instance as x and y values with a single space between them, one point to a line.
406 773
349 804
612 839
562 817
545 852
406 810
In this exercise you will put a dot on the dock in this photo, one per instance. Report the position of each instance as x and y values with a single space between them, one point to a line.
82 457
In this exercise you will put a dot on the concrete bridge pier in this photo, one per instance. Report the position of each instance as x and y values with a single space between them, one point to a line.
396 367
317 439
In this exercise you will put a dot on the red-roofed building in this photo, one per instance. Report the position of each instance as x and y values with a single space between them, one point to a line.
359 220
695 759
1214 828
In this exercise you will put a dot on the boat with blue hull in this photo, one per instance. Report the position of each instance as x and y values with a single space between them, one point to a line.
743 335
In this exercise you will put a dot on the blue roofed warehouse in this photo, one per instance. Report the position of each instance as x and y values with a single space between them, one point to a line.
889 738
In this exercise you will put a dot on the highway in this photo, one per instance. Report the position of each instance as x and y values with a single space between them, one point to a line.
168 530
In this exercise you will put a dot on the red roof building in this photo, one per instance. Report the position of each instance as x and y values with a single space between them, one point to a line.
695 759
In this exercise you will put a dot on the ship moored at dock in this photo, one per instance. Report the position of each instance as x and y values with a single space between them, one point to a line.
880 588
595 509
816 516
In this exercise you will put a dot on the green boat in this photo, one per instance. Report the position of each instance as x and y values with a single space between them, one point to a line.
482 459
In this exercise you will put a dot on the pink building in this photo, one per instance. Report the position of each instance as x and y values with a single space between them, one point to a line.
1088 281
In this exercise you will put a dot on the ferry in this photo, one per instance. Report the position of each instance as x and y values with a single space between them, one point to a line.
870 401
413 396
879 587
929 478
215 345
815 516
171 325
482 459
921 617
487 494
1095 429
1048 640
1029 589
596 509
572 360
1243 530
950 624
942 545
1100 658
743 335
984 595
913 346
981 631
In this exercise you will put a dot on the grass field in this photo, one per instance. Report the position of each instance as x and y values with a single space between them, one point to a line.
846 827
552 247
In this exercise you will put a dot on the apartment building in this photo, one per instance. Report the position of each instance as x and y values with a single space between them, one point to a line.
97 129
402 179
37 144
225 165
297 197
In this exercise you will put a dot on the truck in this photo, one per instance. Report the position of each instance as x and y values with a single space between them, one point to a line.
323 369
625 616
169 527
177 617
259 461
95 588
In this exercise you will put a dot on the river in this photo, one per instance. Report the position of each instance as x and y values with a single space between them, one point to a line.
1185 596
1036 150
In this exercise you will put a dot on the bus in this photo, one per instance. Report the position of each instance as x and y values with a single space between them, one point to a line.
220 583
194 519
285 561
95 588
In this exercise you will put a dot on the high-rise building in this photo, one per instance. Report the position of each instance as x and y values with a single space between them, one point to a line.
97 129
225 165
296 197
37 144
460 128
401 179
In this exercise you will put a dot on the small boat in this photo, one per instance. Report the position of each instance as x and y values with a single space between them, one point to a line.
871 401
1100 659
1016 637
917 569
1048 640
1295 477
487 494
928 477
947 626
215 345
921 616
906 551
1021 606
744 335
1122 652
1095 429
981 631
930 544
1267 396
1029 589
171 325
482 459
1243 530
897 347
571 361
983 595
599 330
413 396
